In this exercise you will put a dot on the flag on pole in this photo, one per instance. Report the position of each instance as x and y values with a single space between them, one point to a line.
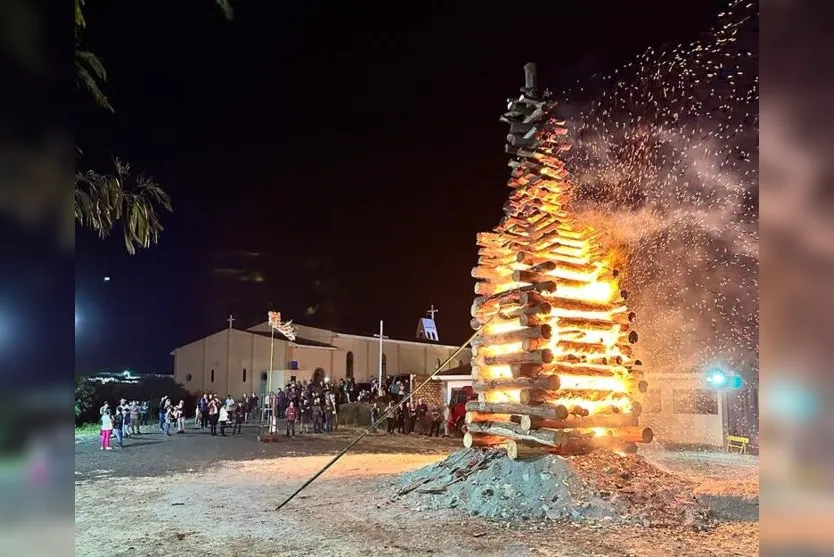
286 328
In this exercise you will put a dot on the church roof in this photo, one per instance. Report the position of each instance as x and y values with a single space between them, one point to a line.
300 341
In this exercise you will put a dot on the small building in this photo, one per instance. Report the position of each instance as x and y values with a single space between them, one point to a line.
683 411
234 361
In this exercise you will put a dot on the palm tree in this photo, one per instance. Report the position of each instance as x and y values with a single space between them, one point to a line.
103 200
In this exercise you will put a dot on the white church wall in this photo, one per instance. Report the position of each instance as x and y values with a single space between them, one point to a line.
361 350
188 365
311 358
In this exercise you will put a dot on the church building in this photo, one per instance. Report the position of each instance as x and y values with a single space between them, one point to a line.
235 361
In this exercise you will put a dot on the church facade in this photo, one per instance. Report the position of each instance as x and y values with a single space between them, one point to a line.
235 361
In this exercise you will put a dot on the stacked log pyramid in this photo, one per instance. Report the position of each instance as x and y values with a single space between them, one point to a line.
552 367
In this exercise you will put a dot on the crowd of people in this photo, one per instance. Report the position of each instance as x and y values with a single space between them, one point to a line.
305 407
124 420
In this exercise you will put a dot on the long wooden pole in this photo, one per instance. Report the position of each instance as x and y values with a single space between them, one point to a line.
381 418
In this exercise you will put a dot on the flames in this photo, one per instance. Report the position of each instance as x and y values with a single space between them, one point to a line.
556 332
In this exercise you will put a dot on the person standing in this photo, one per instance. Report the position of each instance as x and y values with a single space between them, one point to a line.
181 417
436 418
392 417
162 412
143 413
106 429
125 417
420 413
374 416
316 416
213 415
447 420
118 426
134 417
170 418
224 419
291 415
240 417
204 415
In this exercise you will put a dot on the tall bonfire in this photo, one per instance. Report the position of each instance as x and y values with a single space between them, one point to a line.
553 367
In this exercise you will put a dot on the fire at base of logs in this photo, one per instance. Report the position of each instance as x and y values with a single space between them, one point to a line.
553 365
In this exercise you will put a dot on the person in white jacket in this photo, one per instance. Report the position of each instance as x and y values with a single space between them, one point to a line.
224 418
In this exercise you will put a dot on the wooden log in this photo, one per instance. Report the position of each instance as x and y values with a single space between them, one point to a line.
623 317
531 344
555 412
518 450
585 324
472 417
509 337
551 437
531 297
581 305
636 408
531 277
486 272
471 439
528 422
541 256
533 396
536 357
533 320
633 434
546 382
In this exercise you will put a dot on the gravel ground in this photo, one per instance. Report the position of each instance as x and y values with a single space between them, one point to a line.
155 454
198 495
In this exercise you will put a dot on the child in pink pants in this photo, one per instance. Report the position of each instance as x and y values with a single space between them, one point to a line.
106 429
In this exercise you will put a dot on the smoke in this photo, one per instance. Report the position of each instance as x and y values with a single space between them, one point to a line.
664 161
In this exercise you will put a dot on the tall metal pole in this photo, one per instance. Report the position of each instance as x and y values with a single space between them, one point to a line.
380 353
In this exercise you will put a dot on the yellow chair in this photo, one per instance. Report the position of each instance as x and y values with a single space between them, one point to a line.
737 444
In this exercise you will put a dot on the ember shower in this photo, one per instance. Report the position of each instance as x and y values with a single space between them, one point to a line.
665 157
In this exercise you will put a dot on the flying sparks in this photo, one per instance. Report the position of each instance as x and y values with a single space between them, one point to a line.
665 157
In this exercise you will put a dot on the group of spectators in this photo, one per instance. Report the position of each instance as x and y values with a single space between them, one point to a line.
211 412
414 418
123 420
308 404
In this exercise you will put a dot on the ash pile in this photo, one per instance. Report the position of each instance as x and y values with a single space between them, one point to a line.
600 486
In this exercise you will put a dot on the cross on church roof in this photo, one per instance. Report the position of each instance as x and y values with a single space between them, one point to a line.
230 320
432 311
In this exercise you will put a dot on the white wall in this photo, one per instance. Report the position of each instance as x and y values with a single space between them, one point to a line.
668 426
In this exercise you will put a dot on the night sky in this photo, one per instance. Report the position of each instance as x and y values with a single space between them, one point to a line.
345 155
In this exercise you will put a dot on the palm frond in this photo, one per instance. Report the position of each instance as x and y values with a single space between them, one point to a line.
226 6
102 200
80 23
89 71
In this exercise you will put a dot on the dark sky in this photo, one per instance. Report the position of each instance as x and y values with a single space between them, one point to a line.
356 150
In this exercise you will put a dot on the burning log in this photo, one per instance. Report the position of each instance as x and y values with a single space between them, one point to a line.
537 357
527 422
472 417
540 332
556 412
544 382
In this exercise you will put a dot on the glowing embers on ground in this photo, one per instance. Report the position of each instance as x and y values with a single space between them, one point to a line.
553 366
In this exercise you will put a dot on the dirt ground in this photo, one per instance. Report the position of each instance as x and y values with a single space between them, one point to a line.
197 495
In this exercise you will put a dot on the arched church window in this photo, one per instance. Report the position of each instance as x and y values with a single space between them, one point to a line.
349 365
384 364
212 376
244 375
